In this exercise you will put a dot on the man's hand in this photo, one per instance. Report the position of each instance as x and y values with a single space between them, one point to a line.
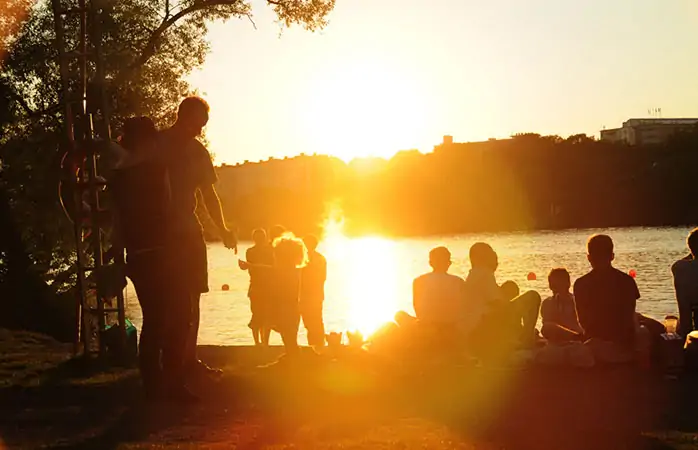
244 265
113 255
230 240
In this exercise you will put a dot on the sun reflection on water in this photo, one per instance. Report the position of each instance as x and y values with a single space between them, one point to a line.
368 277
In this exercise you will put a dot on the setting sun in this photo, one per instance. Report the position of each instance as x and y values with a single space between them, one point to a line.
364 109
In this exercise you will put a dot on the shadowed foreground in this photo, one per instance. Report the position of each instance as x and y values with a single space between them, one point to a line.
354 403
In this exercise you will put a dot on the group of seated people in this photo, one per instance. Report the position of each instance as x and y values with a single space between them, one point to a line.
476 312
599 309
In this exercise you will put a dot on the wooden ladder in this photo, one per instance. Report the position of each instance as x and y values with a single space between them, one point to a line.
87 131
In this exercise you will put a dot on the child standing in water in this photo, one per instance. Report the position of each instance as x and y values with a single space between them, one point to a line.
559 312
284 279
261 253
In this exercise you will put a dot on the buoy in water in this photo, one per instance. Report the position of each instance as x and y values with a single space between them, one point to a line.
532 276
632 273
225 287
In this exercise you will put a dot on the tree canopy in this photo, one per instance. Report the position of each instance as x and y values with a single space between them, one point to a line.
149 47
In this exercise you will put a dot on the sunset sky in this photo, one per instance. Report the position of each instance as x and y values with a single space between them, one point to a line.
387 75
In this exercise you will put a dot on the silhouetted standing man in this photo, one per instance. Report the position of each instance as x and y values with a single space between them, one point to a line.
191 170
313 293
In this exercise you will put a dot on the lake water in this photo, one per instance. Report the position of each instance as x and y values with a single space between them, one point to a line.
370 278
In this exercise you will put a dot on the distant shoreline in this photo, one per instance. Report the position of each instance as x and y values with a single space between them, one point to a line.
591 230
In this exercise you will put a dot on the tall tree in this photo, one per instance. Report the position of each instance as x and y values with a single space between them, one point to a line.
149 47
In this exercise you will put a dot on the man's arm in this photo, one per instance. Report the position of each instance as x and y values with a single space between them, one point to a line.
545 310
323 268
213 206
684 292
580 303
244 265
215 210
417 300
206 179
116 251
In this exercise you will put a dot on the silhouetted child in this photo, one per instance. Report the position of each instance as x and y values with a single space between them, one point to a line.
313 293
559 312
284 276
258 293
276 232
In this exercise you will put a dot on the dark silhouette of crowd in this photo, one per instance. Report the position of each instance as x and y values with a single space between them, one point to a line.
158 236
155 187
591 322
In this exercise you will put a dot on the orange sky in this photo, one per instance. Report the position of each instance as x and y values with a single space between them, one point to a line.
389 75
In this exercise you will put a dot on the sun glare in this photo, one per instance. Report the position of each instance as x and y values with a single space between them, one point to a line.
368 277
364 110
12 15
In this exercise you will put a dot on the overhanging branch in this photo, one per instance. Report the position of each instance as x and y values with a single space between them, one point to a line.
150 47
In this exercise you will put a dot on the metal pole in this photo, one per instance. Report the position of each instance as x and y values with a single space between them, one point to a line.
72 147
102 142
86 142
104 130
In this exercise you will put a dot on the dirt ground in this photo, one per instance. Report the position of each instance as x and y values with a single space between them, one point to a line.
50 401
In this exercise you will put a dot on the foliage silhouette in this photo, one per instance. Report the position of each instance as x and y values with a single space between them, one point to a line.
149 47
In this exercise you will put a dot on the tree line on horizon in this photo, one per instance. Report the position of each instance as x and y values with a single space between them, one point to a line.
529 182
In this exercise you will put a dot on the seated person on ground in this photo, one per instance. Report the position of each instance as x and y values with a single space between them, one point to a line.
685 272
437 297
489 302
606 297
559 312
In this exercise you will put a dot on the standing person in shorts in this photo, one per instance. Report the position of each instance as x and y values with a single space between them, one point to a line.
142 228
261 253
192 174
313 279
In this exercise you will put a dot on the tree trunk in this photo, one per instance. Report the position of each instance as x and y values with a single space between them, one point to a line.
26 301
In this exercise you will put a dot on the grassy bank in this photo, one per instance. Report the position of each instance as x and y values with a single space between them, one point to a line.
48 401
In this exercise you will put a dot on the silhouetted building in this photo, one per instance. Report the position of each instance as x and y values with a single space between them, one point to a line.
647 131
448 145
301 173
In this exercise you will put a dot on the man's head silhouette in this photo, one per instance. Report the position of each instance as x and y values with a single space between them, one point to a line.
440 259
192 116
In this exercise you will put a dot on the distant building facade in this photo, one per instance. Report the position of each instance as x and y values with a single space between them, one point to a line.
647 131
301 173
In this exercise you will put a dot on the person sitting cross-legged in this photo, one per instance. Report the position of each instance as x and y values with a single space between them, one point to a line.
499 307
559 312
438 300
606 299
